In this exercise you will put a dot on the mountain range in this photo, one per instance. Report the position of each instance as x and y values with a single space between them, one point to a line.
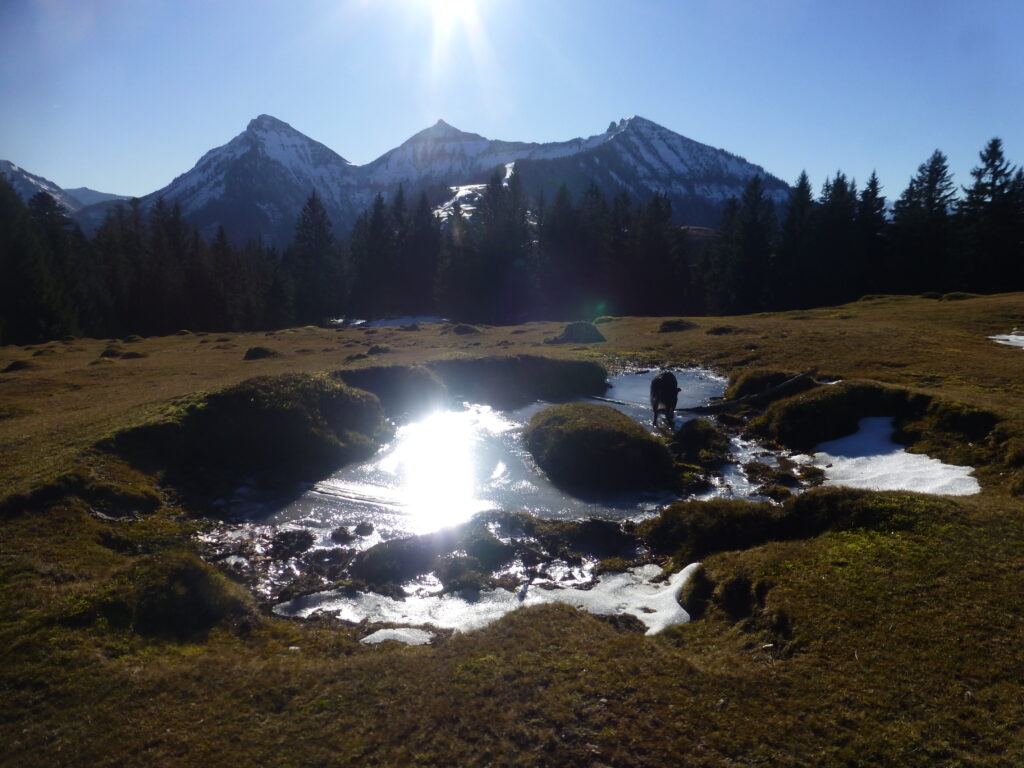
256 184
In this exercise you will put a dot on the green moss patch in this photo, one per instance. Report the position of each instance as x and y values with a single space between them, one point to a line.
691 530
755 381
594 449
700 442
281 428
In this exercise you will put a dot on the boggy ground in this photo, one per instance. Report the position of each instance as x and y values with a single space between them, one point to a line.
893 639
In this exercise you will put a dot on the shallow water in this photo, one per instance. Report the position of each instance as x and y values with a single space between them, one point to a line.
441 470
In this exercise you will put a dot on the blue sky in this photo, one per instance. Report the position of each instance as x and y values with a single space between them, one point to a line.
123 95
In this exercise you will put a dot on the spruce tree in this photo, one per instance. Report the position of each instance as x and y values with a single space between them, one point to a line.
795 269
314 263
872 227
923 230
841 270
989 217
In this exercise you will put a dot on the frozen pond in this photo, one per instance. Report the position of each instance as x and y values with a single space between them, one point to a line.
870 459
442 469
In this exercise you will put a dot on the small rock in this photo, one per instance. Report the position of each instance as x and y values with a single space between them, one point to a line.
288 544
364 529
342 535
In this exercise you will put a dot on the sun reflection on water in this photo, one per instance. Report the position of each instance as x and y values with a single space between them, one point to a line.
437 470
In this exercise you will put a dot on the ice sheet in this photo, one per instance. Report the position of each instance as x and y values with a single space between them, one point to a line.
870 459
634 592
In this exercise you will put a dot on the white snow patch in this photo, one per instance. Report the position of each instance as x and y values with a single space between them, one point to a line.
870 459
1015 339
406 635
405 320
633 592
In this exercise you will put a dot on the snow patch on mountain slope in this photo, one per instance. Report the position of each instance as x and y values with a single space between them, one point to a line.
28 184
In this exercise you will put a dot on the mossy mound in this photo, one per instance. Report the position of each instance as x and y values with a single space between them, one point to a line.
580 332
674 326
700 442
594 449
691 530
959 296
756 381
401 388
179 596
171 596
284 428
19 365
259 353
827 413
515 380
952 431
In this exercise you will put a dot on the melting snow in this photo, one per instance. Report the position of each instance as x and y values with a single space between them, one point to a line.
632 592
870 459
405 635
1015 339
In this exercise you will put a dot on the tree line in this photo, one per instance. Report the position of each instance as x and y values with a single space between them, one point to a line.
508 259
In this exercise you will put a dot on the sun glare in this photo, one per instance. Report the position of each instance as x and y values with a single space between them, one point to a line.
449 14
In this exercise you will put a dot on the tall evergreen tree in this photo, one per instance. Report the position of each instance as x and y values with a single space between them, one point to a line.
992 230
923 231
315 264
795 268
744 253
841 273
872 228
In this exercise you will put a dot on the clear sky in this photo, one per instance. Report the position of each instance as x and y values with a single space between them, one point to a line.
123 95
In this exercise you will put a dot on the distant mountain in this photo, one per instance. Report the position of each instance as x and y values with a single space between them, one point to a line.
256 184
644 158
87 196
27 184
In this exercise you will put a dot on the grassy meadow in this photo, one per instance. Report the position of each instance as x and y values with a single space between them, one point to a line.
896 638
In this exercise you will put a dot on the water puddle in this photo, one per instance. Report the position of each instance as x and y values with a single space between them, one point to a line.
870 459
442 469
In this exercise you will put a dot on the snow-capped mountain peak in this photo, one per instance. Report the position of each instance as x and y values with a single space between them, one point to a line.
256 184
442 131
28 184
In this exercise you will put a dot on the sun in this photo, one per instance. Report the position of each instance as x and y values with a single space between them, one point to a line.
449 14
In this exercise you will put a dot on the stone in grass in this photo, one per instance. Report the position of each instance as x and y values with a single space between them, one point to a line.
577 333
595 449
259 353
671 326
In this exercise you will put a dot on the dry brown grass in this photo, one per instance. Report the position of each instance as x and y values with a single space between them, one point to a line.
857 647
